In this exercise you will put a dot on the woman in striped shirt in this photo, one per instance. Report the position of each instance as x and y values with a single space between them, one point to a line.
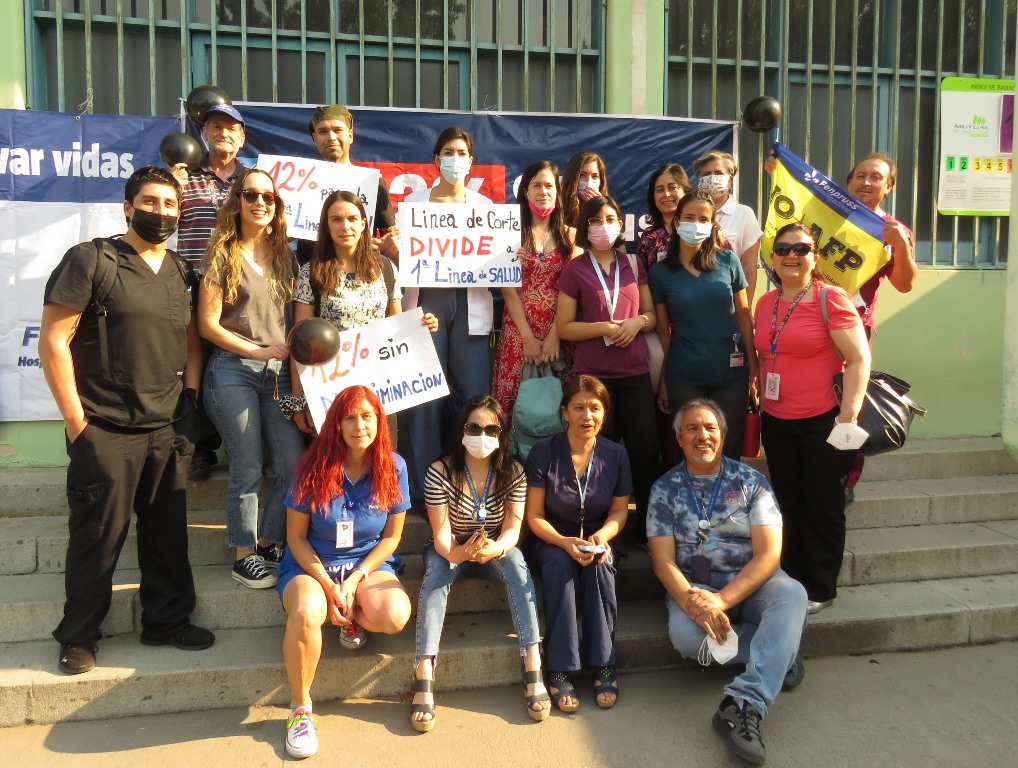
474 496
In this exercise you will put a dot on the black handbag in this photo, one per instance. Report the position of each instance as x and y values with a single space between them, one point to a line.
886 412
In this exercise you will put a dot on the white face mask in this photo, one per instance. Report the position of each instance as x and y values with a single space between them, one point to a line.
454 168
480 446
582 186
714 184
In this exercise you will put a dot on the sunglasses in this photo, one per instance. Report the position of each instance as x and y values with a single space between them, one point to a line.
252 195
601 222
473 429
800 249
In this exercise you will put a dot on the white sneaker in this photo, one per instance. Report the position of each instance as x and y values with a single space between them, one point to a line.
301 736
352 637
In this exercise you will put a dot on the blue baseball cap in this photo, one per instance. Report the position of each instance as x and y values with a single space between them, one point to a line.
222 109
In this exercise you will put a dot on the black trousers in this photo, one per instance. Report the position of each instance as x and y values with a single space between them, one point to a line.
808 477
113 473
632 420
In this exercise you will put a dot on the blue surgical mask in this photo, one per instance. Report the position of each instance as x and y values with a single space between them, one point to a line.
694 232
454 168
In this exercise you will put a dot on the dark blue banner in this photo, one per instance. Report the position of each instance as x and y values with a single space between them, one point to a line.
400 143
55 157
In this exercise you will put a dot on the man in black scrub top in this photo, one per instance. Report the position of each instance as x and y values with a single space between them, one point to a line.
120 350
331 129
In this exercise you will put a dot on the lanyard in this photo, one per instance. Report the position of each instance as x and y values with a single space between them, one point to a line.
776 331
582 487
610 302
704 509
480 510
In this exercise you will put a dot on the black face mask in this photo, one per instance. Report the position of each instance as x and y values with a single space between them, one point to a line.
152 227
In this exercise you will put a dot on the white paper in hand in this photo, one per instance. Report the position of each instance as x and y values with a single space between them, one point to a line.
847 437
724 652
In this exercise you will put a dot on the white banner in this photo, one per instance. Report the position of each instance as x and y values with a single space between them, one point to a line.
395 357
447 246
304 184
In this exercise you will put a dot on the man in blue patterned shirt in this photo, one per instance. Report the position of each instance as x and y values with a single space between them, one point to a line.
714 532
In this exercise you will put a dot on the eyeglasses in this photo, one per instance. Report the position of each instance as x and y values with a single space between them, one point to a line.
800 249
602 222
252 195
473 429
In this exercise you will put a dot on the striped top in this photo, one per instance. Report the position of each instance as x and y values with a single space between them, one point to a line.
200 201
440 492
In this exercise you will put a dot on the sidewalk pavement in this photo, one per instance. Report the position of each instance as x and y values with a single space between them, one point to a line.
938 708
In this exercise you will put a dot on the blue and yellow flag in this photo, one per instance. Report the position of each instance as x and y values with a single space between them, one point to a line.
849 235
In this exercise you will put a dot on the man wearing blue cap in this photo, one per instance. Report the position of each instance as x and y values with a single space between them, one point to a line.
205 189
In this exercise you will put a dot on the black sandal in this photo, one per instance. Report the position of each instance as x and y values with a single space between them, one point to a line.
423 685
534 678
606 681
563 689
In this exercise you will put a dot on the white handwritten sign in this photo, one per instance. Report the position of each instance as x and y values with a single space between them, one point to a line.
445 246
304 184
395 357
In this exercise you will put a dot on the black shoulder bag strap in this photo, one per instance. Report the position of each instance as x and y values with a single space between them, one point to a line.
106 261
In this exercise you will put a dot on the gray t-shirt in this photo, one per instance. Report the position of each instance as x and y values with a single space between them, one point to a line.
745 499
255 315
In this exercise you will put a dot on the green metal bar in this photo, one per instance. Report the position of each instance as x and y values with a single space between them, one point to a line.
88 58
391 67
552 42
445 54
526 55
689 62
934 212
120 58
896 94
333 58
213 54
303 53
668 58
785 88
417 57
61 84
832 36
714 62
577 6
153 64
473 55
738 65
874 85
809 78
915 120
274 54
498 55
360 50
243 50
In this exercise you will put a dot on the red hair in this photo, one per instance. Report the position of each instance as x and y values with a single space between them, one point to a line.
321 468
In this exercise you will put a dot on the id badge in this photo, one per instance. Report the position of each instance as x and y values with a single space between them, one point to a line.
736 360
701 569
772 386
344 533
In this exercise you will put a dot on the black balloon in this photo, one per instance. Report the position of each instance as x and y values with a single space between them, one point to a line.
761 114
180 148
202 97
313 341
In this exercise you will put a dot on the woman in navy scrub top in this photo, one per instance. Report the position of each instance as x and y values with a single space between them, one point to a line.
344 519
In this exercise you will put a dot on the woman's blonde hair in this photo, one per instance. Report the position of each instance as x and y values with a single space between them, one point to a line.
224 258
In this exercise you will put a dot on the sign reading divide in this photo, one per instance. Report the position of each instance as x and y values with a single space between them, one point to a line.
394 356
444 245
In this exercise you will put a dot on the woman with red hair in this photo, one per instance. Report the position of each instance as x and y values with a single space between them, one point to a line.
344 519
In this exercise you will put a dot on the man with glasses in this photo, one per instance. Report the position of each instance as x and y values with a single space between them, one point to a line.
205 189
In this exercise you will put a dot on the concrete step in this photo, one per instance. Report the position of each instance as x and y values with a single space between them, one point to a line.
31 605
41 491
244 667
884 555
39 543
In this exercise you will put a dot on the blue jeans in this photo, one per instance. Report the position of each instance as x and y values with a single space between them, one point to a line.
769 624
239 398
439 575
465 360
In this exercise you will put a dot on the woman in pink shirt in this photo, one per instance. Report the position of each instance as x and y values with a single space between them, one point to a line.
800 351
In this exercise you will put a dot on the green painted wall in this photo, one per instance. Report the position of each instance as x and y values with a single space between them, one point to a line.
12 43
635 52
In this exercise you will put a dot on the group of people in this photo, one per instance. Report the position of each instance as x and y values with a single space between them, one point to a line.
661 353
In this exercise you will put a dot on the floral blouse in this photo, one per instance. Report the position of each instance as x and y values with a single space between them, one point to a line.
354 304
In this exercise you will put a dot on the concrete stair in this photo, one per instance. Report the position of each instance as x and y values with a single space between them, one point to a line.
931 561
